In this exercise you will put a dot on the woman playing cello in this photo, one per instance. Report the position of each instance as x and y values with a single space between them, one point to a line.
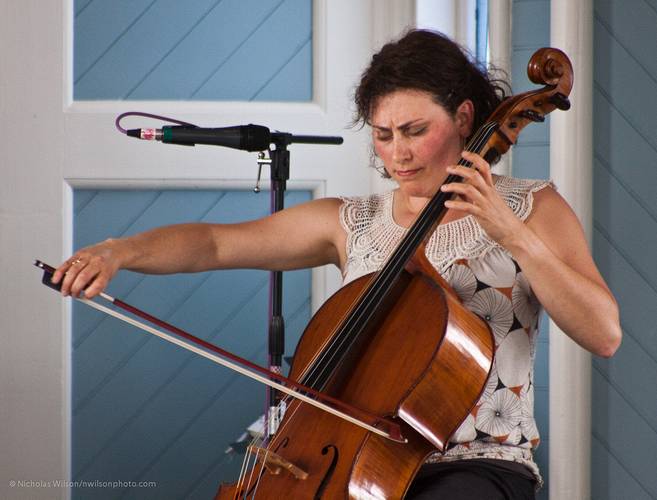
506 246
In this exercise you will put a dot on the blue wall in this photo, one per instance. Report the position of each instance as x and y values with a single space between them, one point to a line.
531 159
624 433
241 50
143 409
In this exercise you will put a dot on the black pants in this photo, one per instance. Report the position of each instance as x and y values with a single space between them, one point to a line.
471 480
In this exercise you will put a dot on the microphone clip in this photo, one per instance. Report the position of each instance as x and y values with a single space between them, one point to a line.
262 160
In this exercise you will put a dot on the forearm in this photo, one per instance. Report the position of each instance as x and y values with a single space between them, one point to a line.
582 308
166 250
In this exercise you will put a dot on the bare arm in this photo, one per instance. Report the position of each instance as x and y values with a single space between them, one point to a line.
552 252
306 235
554 256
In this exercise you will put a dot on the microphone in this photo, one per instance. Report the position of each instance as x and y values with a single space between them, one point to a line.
245 137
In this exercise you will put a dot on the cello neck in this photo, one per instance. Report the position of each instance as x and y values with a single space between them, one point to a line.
350 332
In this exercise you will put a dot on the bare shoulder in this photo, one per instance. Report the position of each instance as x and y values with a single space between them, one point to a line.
548 199
323 207
549 204
557 225
320 215
320 221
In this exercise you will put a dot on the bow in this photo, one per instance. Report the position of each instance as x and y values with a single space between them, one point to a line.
181 338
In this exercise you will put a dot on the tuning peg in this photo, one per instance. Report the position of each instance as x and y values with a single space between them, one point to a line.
532 115
560 101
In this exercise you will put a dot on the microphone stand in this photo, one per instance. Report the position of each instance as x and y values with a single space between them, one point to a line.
279 161
249 138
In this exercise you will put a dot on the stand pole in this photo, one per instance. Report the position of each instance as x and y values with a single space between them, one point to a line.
279 161
280 173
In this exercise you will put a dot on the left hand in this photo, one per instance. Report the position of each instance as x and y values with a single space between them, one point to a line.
477 196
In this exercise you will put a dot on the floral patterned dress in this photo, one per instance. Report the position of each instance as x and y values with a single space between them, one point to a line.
490 284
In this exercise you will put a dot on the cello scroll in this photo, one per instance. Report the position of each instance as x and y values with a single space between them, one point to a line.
548 66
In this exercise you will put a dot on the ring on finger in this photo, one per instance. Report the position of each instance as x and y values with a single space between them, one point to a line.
76 261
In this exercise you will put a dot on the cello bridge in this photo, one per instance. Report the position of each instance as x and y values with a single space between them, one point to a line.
274 463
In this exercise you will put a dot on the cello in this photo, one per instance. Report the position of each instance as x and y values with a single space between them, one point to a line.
397 343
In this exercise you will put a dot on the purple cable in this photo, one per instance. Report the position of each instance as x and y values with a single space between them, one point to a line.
146 115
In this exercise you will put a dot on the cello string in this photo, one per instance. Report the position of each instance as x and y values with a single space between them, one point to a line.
428 215
372 295
425 216
260 474
246 485
409 243
245 464
381 283
341 340
338 342
377 290
253 489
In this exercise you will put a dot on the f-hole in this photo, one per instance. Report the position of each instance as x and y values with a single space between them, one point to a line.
329 471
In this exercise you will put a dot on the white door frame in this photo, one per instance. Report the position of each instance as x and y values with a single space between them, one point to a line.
51 144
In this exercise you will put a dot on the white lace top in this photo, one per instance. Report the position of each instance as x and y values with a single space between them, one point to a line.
490 283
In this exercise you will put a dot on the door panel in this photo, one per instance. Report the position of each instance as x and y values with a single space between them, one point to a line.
54 145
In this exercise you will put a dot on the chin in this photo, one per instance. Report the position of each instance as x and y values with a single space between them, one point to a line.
418 189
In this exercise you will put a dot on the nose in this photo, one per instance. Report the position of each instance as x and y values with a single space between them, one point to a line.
401 151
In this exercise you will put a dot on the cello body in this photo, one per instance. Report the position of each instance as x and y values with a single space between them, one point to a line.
393 372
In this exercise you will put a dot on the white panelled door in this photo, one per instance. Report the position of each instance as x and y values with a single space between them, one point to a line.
51 144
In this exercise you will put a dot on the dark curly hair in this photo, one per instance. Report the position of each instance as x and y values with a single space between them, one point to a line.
428 61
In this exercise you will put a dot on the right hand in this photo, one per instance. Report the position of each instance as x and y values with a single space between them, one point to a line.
89 270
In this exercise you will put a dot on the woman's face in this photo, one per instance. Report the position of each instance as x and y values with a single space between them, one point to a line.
417 138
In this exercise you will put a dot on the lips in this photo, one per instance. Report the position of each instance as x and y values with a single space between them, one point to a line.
408 172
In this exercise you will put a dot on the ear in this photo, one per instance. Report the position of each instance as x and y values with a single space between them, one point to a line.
464 118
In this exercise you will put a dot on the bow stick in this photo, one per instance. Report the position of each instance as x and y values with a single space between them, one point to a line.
386 428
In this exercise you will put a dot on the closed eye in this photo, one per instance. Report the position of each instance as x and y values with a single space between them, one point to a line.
417 131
